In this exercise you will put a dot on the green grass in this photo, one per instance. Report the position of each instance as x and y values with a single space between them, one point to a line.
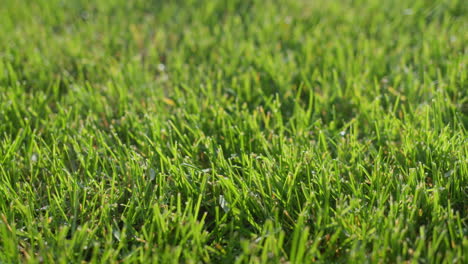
233 131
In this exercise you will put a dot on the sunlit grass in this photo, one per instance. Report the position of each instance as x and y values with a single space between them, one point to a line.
233 131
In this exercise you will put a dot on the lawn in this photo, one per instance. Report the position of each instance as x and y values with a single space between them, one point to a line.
233 131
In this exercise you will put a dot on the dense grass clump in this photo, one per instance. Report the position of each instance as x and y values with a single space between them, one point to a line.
237 131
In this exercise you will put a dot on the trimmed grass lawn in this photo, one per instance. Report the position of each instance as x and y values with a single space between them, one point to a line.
240 131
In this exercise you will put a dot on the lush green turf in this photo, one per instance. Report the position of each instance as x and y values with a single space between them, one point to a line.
233 131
